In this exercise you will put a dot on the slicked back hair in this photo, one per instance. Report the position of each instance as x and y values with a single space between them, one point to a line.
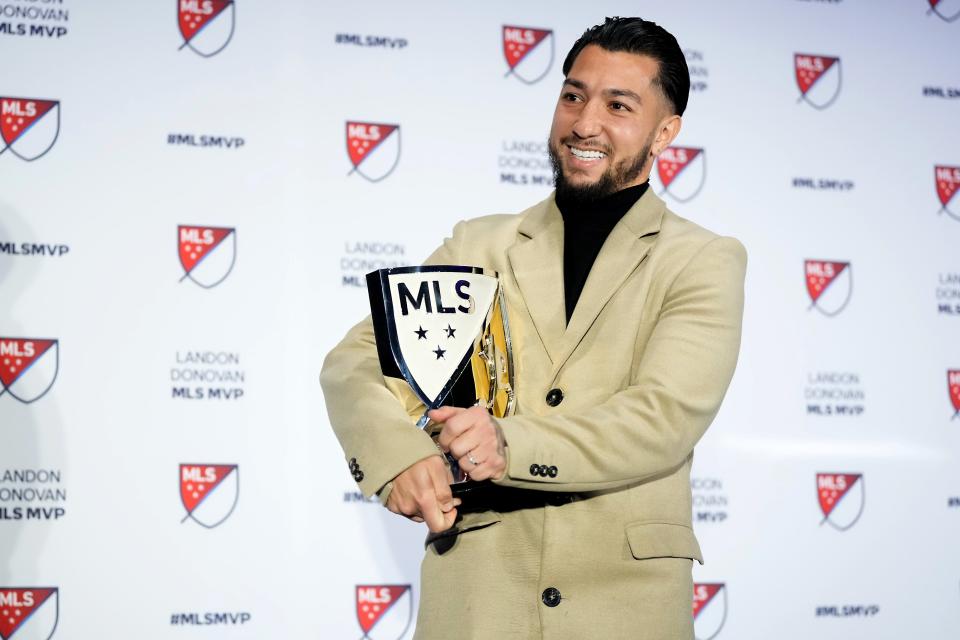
643 37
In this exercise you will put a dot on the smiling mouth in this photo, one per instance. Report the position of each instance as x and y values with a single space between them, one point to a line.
586 154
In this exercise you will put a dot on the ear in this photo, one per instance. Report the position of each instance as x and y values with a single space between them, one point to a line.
667 131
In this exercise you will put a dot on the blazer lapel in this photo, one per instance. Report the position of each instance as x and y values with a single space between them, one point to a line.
537 262
625 248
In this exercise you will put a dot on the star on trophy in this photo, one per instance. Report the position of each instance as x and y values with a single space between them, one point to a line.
443 329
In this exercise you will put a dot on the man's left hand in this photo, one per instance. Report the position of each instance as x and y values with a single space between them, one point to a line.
475 439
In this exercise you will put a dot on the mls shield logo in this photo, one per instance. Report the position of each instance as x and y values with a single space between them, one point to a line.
829 284
953 387
947 10
818 78
435 316
209 492
28 367
384 611
29 613
526 50
841 497
207 254
373 149
709 609
206 25
28 126
682 171
948 182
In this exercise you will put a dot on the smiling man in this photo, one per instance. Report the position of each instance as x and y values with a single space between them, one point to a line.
626 324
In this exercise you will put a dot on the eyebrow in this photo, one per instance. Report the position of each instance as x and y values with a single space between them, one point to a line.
619 93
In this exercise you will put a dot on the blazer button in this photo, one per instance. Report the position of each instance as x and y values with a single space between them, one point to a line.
542 471
554 397
534 469
550 596
358 476
552 472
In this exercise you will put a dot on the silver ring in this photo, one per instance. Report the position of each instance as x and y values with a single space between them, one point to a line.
472 460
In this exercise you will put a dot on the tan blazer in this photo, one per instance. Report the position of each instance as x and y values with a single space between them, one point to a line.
642 366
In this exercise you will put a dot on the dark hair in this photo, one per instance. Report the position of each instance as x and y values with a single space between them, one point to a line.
636 35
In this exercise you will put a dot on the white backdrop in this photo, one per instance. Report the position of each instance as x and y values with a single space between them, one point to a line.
248 146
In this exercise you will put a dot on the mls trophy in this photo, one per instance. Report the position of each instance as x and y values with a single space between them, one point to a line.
443 329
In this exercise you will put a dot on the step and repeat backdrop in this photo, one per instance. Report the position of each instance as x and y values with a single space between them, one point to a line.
191 192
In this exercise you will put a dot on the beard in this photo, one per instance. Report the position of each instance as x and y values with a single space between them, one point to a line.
615 178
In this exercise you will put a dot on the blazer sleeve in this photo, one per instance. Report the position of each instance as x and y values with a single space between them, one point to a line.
373 416
652 425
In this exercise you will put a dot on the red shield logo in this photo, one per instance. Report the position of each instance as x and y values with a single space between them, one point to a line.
526 50
818 78
947 180
209 492
28 126
953 387
206 25
709 609
28 367
384 611
373 149
682 171
29 612
207 254
829 284
841 498
947 10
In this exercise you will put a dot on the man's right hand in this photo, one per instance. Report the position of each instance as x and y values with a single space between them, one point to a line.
422 493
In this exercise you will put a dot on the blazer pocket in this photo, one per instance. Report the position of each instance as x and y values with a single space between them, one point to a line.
662 540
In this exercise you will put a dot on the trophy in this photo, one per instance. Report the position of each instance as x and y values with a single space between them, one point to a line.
443 329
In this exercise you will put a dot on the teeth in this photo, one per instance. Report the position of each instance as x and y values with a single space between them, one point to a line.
586 155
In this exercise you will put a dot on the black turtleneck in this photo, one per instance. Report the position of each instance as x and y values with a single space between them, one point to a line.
585 229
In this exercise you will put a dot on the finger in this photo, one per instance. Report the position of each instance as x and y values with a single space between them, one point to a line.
431 512
443 414
449 518
468 441
416 518
454 426
441 478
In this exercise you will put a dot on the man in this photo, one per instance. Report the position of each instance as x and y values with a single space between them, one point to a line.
626 323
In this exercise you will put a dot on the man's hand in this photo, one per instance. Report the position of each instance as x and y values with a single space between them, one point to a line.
475 439
422 493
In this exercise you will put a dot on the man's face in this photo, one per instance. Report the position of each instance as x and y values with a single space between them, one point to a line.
607 120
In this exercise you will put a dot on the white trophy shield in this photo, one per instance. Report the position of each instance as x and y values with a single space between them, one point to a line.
444 329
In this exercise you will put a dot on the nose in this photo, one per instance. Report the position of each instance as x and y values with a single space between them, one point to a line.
588 123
